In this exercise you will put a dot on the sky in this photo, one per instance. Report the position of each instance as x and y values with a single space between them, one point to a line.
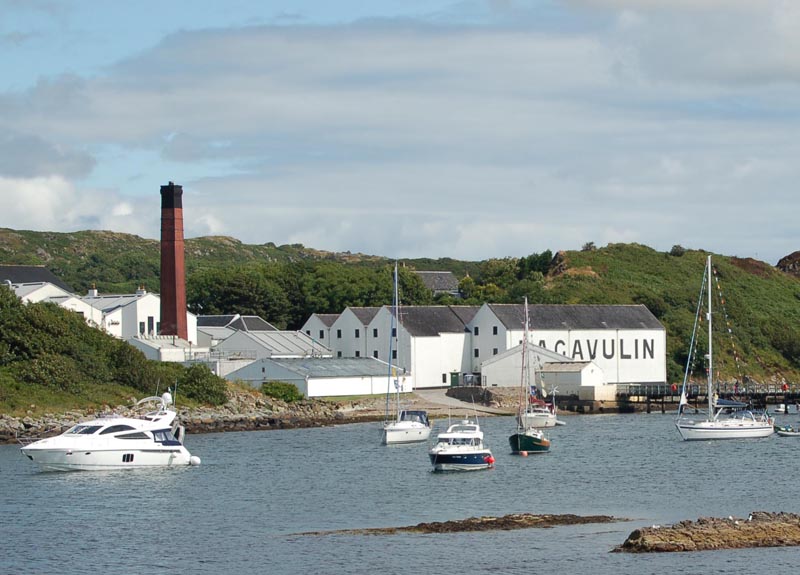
469 129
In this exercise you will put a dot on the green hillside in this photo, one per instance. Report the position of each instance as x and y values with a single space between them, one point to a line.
285 284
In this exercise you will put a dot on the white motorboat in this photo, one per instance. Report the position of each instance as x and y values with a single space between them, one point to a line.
115 442
461 448
724 419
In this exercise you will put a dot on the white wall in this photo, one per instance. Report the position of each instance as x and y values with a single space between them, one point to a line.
625 356
348 344
317 330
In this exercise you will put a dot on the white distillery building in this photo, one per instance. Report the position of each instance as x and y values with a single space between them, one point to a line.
324 377
349 336
432 342
626 342
318 327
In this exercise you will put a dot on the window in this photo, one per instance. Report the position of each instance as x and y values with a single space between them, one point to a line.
116 428
338 354
151 324
476 331
358 333
141 328
127 458
444 378
394 354
321 334
494 351
84 429
263 370
394 332
375 332
308 332
137 435
375 354
477 352
358 354
494 330
338 334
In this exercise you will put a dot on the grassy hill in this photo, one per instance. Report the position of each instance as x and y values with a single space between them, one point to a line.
763 303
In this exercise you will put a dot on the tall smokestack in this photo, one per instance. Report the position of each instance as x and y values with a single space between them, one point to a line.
173 274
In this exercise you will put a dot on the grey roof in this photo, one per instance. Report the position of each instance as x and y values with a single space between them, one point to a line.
439 281
431 320
333 366
563 366
544 316
31 274
466 313
236 322
327 318
251 323
215 320
286 342
365 314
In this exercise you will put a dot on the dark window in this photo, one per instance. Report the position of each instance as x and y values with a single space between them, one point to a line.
141 328
374 332
477 353
338 334
476 330
137 435
494 351
394 332
394 354
85 429
358 354
375 354
127 458
338 354
358 333
116 428
151 324
308 332
322 334
494 330
444 378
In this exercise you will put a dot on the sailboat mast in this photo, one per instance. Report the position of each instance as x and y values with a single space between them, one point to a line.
396 334
710 353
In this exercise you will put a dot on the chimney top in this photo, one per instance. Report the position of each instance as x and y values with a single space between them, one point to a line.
171 196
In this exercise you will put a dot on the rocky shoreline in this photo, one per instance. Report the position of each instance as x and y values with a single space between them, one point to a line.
759 529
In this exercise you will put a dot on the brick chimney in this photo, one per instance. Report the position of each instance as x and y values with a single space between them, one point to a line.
173 273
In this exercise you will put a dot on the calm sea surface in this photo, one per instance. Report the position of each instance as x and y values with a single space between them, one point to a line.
244 509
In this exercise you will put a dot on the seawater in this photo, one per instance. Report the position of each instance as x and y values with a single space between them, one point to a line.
246 508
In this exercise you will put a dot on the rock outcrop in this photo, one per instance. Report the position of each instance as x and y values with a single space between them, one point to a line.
760 529
504 523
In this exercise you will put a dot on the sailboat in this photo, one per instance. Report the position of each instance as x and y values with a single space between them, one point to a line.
724 419
404 425
527 439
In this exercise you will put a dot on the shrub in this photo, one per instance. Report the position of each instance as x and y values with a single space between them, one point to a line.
198 383
281 390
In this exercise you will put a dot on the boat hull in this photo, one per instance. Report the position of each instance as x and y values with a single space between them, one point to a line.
461 461
71 460
723 429
527 443
538 420
393 435
787 431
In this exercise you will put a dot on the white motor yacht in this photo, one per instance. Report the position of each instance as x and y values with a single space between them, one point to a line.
461 448
115 442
